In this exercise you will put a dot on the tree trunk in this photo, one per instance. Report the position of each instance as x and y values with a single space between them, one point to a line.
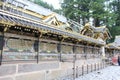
83 19
96 22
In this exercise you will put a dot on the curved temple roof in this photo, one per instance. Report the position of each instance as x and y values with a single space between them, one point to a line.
26 22
20 20
41 10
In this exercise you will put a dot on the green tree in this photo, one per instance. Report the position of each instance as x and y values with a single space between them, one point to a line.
76 10
115 9
43 4
46 5
115 6
83 10
98 11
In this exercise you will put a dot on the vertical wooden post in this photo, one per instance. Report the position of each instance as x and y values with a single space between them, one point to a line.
73 70
36 48
98 66
100 53
0 57
74 60
77 72
91 68
95 66
59 51
113 51
1 47
85 52
93 55
74 52
87 68
82 69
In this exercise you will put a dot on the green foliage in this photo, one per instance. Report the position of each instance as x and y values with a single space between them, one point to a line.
59 11
84 9
44 4
103 12
115 6
115 19
114 31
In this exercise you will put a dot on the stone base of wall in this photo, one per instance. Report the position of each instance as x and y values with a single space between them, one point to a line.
42 71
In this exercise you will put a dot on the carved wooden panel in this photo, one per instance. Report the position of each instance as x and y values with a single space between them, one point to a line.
66 49
48 47
18 49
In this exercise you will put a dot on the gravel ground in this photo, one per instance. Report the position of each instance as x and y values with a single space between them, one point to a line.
109 73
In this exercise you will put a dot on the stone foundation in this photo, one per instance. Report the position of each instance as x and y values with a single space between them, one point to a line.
53 70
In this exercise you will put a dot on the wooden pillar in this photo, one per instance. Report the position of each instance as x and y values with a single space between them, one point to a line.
85 49
113 52
74 52
103 52
93 54
1 47
74 60
59 51
36 49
